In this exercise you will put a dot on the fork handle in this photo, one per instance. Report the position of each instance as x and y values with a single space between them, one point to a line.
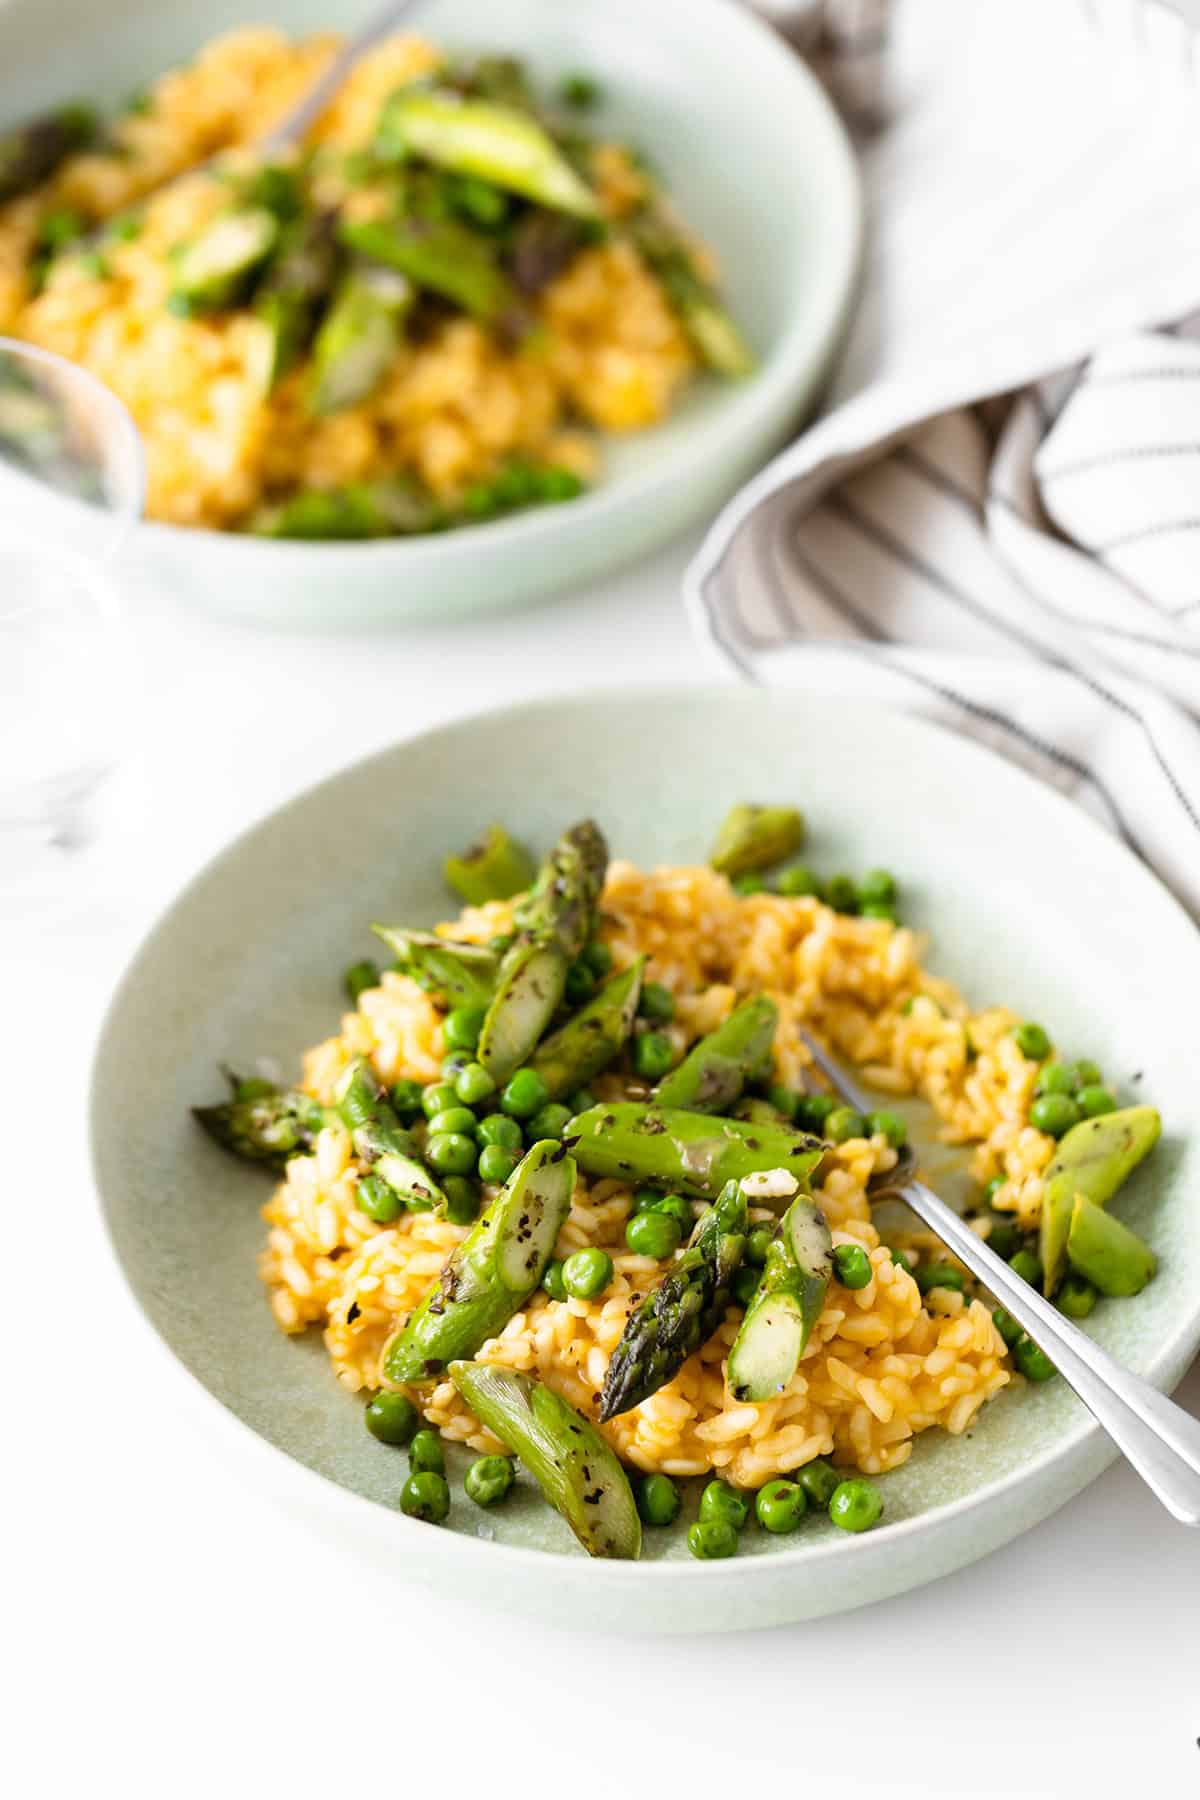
312 103
1156 1436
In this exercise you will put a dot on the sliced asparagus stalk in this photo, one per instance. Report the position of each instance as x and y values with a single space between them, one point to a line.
589 1040
263 1124
495 868
563 899
700 311
294 289
576 1470
500 144
683 1311
31 153
443 257
1092 1159
1112 1257
685 1152
714 1072
791 1293
398 507
215 269
464 974
530 986
492 1272
359 337
756 837
381 1142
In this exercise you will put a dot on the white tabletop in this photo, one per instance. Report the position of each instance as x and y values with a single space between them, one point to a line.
175 1631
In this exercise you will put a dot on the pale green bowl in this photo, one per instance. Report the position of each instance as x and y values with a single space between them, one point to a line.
759 165
1030 903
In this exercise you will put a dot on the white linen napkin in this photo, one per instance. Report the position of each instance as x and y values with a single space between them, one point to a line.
998 520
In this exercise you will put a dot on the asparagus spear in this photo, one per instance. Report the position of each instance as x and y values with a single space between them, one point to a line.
359 337
576 1470
262 1123
791 1293
441 256
464 974
714 1072
1092 1159
293 290
398 507
1112 1257
685 1152
500 144
756 837
683 1311
215 269
31 153
495 868
591 1037
381 1142
492 1272
563 899
704 318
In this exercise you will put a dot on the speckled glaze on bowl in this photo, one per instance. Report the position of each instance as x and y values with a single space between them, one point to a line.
760 167
1031 903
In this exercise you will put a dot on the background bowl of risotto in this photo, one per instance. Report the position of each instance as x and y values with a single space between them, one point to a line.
1027 904
758 169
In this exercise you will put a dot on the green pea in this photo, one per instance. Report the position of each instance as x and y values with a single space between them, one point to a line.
674 1205
993 1187
852 1265
1055 1078
502 943
783 1099
889 1125
378 1200
855 1505
461 1027
581 1101
841 892
820 1481
940 1275
473 1084
550 1121
657 1499
797 881
1033 1363
359 977
580 91
1032 1041
580 983
451 1153
438 1098
587 1273
122 228
1076 1297
758 1242
559 484
652 1055
657 1002
525 1094
480 501
878 909
1092 1101
780 1505
481 202
498 1128
406 1098
598 957
878 886
1005 1238
843 1124
1007 1326
426 1496
453 1065
425 1454
496 1162
748 884
392 1418
745 1284
902 1260
1086 1073
1054 1114
712 1540
488 1479
720 1501
652 1234
814 1110
552 1280
462 1199
455 1118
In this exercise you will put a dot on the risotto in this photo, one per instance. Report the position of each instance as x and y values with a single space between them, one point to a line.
387 330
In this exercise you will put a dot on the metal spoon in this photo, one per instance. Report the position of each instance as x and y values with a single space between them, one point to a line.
1156 1436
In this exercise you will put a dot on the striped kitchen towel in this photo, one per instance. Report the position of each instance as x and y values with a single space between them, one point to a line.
997 520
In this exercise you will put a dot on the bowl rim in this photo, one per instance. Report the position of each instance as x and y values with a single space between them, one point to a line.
1082 1446
748 408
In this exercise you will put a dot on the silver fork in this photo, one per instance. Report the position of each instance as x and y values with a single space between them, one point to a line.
1160 1440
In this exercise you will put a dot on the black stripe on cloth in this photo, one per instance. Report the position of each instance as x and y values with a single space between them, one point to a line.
838 601
1124 377
1164 528
938 477
1132 453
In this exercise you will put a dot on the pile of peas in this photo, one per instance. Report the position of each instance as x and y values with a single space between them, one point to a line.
1064 1093
779 1507
872 897
393 1419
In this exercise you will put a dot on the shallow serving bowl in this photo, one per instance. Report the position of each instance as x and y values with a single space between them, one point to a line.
1029 903
760 167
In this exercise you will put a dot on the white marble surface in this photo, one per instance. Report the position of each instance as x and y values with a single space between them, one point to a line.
177 1635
